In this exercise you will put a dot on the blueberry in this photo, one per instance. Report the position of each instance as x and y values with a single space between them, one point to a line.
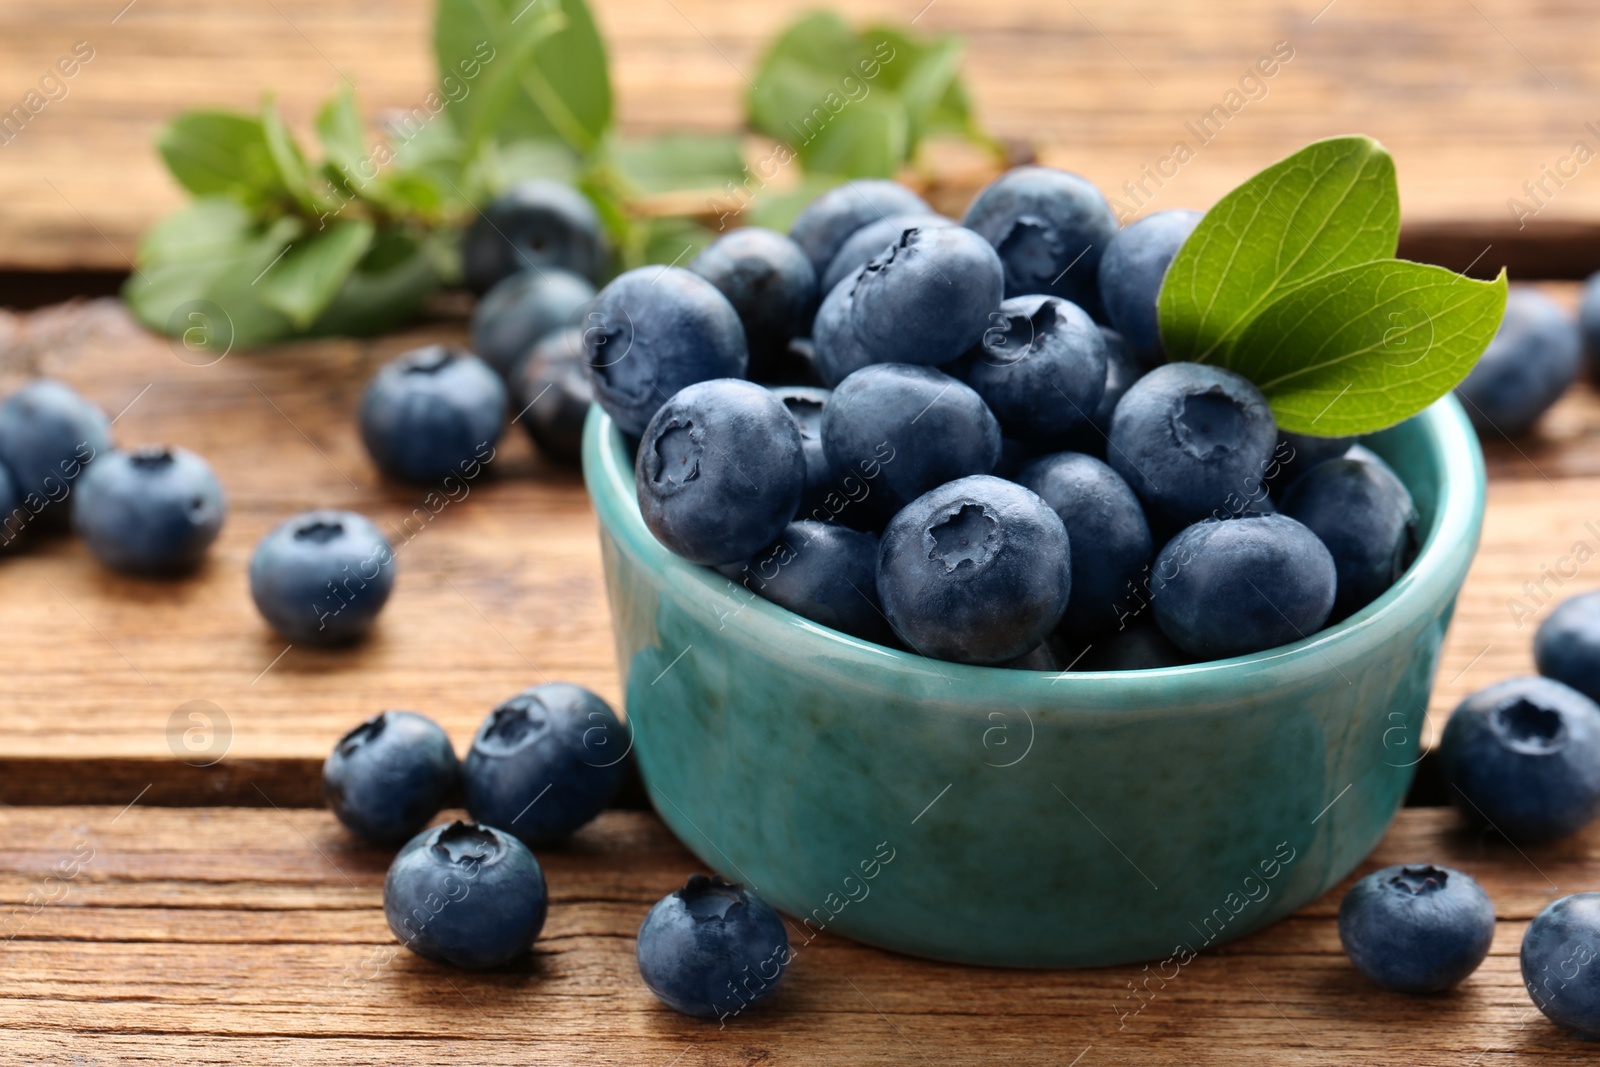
1192 440
150 511
432 412
770 283
1558 963
892 432
712 948
1589 321
322 577
521 310
1111 544
925 299
1416 928
1041 368
466 895
1523 756
1365 516
545 762
536 223
872 239
48 433
386 778
720 471
552 395
1230 587
13 517
1529 364
1121 372
1130 277
976 571
1297 453
805 405
823 571
654 331
1051 229
829 220
1139 647
1567 644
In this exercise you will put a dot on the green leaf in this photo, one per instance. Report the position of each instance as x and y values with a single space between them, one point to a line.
305 281
1333 204
517 69
390 285
678 161
286 156
343 136
221 153
1368 346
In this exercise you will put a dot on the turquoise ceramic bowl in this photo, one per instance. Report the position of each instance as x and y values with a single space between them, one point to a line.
1023 818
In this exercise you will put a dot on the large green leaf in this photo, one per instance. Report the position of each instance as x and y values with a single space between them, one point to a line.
516 69
304 282
221 153
1331 205
1365 347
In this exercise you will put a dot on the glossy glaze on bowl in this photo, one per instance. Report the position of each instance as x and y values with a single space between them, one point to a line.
1022 818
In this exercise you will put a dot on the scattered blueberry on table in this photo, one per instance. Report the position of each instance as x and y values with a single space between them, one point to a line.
1526 368
1559 956
153 510
1566 646
534 224
712 949
432 413
321 577
1416 928
48 436
387 777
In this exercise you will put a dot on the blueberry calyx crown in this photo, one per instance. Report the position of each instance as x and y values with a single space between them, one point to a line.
1528 728
150 458
966 535
1208 423
513 724
1028 329
430 360
466 844
1419 881
320 531
363 734
1029 243
710 897
678 454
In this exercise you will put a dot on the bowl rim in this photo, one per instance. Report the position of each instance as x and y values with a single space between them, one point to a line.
1431 582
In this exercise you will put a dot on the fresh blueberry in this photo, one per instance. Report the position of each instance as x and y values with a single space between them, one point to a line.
48 434
976 571
1138 647
805 404
553 395
432 412
1589 322
1192 439
654 331
1416 928
829 220
150 511
925 299
1364 515
1041 368
720 471
1529 364
466 895
545 762
1567 644
823 571
770 283
712 948
1121 372
1051 229
1297 453
521 310
1523 756
901 431
1559 952
322 577
536 223
1111 544
1230 587
386 778
872 239
13 517
1130 277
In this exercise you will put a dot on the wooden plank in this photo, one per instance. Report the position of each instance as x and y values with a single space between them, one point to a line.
175 945
1473 101
495 593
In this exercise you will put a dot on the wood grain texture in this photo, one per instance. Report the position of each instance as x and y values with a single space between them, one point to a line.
174 945
1474 99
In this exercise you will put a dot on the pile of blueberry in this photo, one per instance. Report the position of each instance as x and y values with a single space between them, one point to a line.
471 894
1521 759
149 511
966 441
